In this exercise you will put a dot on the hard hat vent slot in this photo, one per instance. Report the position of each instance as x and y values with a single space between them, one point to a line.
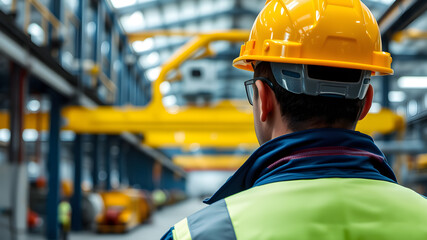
291 74
334 74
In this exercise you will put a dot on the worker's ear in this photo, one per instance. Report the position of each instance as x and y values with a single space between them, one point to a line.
368 102
266 100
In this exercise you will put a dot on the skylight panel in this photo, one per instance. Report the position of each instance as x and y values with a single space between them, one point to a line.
133 22
142 46
122 3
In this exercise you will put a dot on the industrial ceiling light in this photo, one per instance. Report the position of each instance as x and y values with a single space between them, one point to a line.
165 87
4 135
133 22
37 33
142 46
413 108
412 82
6 2
30 135
91 28
375 108
169 101
388 2
122 3
396 96
153 59
153 73
33 105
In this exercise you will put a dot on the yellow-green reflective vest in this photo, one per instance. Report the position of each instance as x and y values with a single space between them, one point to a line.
319 209
64 212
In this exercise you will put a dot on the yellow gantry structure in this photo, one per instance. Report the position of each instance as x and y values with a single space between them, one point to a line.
188 136
215 126
228 124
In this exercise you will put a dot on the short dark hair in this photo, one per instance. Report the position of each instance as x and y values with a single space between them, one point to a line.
304 111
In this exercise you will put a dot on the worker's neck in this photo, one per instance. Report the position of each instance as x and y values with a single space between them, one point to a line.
279 127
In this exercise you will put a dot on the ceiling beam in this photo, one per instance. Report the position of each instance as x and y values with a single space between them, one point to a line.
164 47
400 15
230 12
142 6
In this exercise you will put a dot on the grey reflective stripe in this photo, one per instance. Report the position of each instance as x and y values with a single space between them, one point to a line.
212 223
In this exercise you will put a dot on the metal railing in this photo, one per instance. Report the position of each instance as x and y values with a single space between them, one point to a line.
49 19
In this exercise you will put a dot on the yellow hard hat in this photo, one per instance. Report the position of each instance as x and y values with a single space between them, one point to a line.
333 33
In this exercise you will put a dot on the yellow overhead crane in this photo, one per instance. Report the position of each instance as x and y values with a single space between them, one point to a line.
188 136
228 124
412 33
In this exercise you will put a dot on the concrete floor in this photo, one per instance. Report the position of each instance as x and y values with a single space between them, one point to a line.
161 221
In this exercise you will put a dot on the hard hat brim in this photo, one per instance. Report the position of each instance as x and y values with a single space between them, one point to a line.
244 63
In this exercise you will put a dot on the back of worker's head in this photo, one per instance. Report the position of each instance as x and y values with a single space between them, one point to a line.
302 111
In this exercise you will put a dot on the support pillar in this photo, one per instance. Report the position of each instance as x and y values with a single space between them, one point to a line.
95 162
17 174
54 41
76 201
121 162
53 162
108 163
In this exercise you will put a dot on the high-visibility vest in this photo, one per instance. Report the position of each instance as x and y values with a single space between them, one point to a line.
320 209
64 212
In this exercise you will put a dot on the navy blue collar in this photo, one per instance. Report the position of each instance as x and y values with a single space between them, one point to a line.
309 154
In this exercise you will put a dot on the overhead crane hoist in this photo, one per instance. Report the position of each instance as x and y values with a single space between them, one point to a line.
229 124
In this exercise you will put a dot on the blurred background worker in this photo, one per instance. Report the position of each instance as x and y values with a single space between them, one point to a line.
313 177
64 211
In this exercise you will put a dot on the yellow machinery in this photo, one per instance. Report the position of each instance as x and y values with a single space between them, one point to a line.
124 210
228 124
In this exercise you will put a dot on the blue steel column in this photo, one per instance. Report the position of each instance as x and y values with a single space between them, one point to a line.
120 159
52 226
79 43
100 29
76 201
108 163
125 81
119 78
95 162
110 53
55 8
123 155
132 89
95 38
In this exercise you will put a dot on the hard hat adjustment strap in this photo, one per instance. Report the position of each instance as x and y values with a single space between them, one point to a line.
295 78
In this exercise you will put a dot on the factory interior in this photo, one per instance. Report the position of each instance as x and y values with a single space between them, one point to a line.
131 112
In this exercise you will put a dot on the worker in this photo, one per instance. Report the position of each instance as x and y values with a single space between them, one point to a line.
313 177
159 197
64 215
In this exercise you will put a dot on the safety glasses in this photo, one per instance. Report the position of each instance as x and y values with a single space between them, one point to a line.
249 86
